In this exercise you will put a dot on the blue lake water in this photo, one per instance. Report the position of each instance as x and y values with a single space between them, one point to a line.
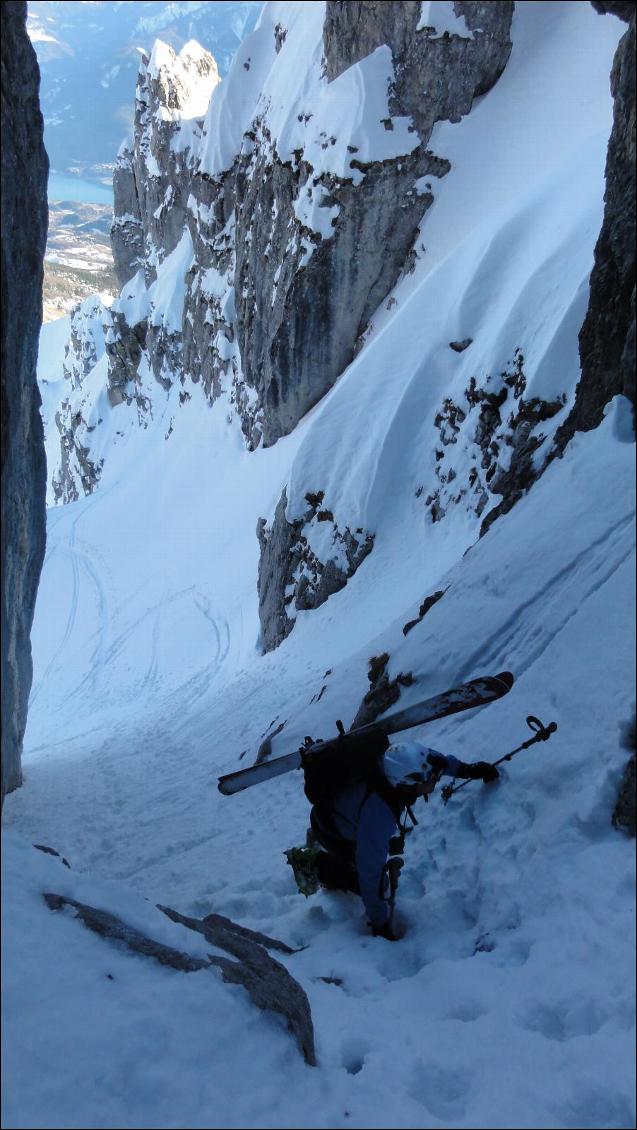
74 188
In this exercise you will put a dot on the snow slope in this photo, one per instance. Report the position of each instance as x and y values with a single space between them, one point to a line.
509 1001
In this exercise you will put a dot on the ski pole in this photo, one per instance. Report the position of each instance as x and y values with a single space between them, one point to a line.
393 867
541 734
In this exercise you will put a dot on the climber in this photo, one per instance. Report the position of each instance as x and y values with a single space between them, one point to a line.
356 837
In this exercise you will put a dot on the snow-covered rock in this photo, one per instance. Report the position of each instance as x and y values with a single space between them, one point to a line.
86 341
76 471
152 175
304 194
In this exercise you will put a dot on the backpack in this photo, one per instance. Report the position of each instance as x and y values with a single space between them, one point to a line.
352 759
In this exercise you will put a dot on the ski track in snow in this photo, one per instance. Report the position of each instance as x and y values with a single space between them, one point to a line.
582 576
81 562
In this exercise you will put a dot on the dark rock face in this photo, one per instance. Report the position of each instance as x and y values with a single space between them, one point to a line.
607 338
485 444
24 226
127 232
153 170
625 10
294 348
425 607
292 577
383 692
624 816
437 77
294 345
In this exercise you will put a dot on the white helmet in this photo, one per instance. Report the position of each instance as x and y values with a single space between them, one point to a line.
405 763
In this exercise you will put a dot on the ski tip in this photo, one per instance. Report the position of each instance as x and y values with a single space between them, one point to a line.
507 678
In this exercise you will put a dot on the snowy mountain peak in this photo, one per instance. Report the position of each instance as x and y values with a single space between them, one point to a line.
181 83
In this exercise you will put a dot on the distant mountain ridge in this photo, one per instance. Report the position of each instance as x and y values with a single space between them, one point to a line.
89 56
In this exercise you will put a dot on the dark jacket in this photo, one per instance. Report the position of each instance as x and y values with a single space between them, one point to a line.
366 821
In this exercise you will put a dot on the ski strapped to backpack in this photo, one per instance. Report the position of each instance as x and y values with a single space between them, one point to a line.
467 696
541 732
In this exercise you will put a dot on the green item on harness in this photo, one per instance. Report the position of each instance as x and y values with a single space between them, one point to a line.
303 863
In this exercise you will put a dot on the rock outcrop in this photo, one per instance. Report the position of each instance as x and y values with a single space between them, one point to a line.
383 692
624 815
127 233
303 562
24 226
86 341
152 176
78 471
320 245
484 444
296 240
269 984
607 337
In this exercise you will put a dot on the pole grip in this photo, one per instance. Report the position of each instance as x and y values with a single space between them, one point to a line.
542 732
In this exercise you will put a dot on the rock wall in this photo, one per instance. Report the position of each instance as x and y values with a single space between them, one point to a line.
299 226
152 185
299 319
127 232
304 297
24 226
290 259
607 337
302 564
152 176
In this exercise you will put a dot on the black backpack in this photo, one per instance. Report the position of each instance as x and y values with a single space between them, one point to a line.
353 759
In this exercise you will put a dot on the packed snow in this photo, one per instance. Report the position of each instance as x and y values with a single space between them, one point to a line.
510 1000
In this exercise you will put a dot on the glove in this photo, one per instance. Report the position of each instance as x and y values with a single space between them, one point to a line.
486 771
384 931
437 761
479 771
